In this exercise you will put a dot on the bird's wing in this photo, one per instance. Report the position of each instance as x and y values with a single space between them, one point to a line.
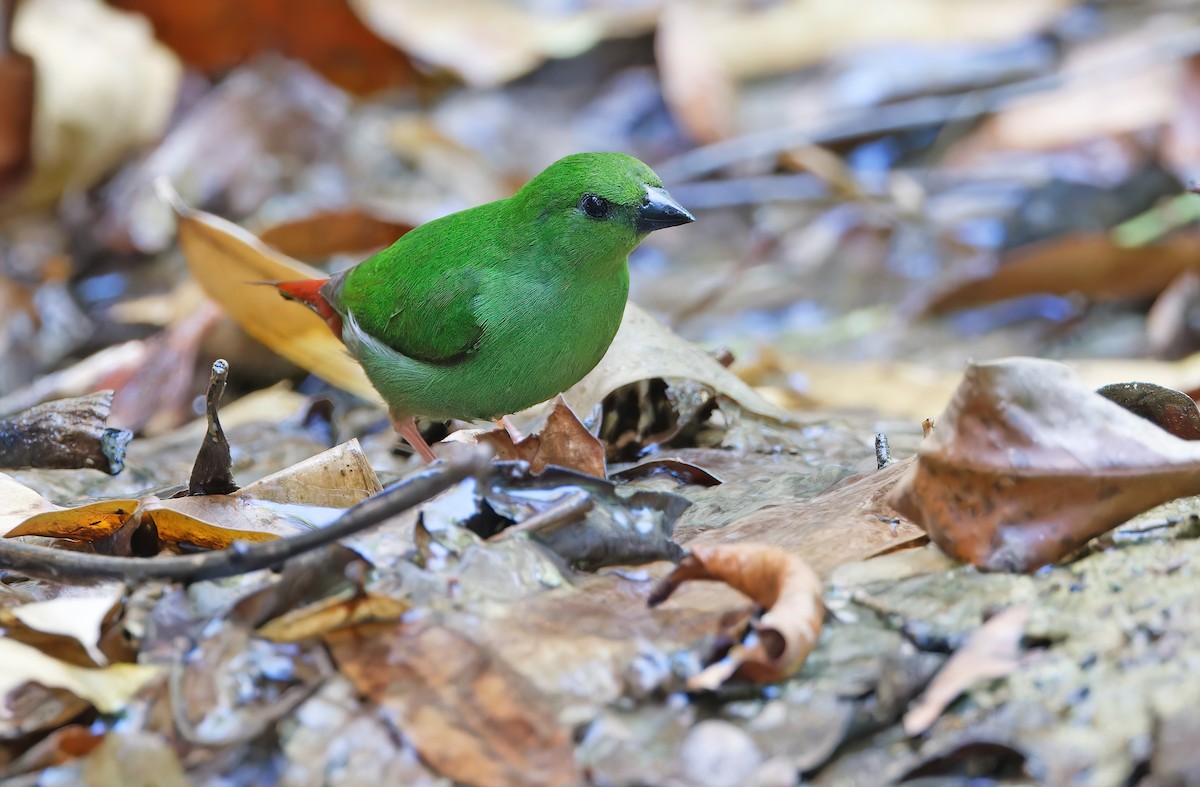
431 318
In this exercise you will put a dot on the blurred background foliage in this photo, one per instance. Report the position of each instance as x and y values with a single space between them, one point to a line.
899 184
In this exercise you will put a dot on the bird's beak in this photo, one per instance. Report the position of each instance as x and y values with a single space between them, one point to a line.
659 211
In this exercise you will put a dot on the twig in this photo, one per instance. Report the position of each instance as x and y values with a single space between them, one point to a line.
761 245
567 510
883 451
927 111
212 473
242 557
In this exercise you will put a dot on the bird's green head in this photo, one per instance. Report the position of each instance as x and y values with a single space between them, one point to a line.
599 205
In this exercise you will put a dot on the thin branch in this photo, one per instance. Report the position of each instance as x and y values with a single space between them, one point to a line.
917 113
242 557
565 511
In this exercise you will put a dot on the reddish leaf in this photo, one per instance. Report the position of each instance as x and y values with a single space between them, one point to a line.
1027 464
1167 408
562 441
217 34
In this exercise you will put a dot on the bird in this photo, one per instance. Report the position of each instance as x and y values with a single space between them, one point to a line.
490 310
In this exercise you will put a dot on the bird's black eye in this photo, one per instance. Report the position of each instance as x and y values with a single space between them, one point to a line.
594 206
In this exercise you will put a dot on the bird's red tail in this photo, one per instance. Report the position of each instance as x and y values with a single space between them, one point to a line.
308 292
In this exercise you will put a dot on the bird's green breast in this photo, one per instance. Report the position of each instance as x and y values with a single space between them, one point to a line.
539 337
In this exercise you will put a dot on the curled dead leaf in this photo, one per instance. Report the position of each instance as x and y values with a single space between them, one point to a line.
1027 464
779 582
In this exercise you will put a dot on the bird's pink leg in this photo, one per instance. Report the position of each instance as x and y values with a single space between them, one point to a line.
406 427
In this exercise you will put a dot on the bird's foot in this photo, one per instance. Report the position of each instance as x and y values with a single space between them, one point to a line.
406 427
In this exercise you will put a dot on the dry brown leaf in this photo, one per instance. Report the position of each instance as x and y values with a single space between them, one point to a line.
109 688
337 231
992 651
81 523
1091 265
490 42
60 746
916 392
215 35
129 757
469 715
94 64
779 582
1027 464
852 521
228 261
562 441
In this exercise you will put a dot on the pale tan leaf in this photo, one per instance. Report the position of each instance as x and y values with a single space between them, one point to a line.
94 65
109 688
337 478
992 651
79 617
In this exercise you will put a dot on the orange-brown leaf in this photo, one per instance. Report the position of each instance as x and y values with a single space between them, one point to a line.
82 523
215 35
780 582
176 527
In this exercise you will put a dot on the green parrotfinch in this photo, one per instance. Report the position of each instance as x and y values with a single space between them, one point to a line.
493 309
